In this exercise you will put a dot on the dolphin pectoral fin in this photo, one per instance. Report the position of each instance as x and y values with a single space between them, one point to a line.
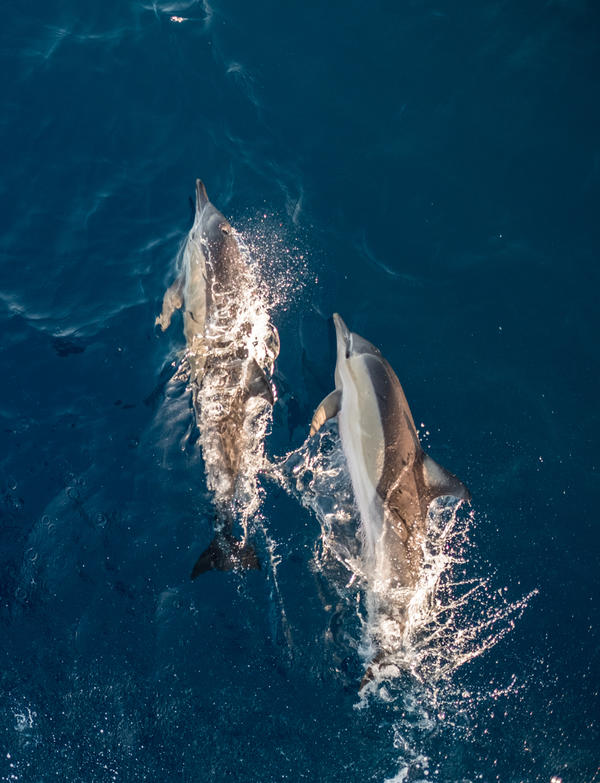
226 553
438 482
329 408
172 300
258 384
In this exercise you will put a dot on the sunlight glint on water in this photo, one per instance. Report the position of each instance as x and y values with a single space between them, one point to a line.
454 613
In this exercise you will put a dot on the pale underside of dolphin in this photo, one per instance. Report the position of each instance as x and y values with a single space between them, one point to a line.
207 289
393 479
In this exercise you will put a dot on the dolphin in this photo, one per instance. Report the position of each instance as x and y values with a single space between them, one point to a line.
393 479
222 358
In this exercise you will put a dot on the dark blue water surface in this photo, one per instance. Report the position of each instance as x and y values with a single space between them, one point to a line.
429 170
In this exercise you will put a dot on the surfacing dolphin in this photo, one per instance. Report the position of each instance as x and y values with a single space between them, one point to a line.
394 482
230 366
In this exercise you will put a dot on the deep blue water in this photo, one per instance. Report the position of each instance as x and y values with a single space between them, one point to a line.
432 172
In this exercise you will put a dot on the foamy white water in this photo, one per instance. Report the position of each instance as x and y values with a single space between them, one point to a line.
456 613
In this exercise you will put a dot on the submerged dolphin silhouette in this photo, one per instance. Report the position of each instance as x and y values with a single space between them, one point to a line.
393 479
209 289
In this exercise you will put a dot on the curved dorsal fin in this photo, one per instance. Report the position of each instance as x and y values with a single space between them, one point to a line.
438 481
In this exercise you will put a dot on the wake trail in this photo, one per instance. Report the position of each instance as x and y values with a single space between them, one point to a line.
454 614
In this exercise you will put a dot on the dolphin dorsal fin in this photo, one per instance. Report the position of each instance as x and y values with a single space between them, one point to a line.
257 383
438 481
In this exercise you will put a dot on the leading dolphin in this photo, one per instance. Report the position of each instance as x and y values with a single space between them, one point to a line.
393 479
230 366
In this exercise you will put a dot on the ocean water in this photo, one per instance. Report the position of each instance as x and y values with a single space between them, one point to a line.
432 172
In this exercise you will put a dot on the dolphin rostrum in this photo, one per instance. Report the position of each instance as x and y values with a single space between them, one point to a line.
394 481
230 367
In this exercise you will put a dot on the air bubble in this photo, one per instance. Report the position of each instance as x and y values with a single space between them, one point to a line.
72 493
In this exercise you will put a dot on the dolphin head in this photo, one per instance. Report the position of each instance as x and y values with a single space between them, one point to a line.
349 346
349 343
210 227
343 337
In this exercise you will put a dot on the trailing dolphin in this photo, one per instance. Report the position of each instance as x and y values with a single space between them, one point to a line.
231 349
394 482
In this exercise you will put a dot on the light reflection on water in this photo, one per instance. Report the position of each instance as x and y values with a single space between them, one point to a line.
454 614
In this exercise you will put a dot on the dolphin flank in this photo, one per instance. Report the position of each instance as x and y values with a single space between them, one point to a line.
393 479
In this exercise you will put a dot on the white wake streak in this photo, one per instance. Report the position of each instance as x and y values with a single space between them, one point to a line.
453 615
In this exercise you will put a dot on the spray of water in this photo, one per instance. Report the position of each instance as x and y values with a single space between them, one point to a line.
240 336
453 615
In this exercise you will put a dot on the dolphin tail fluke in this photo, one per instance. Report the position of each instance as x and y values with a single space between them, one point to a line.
226 553
380 666
369 674
368 677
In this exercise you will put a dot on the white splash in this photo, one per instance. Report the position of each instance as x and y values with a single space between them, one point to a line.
453 615
239 335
